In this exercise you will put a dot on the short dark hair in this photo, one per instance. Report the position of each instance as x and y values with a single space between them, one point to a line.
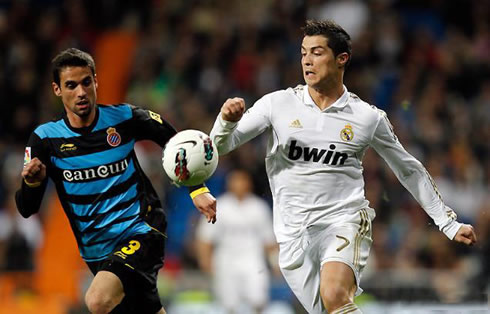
71 57
337 38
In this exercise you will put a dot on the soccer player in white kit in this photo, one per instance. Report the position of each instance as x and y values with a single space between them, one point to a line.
318 134
234 250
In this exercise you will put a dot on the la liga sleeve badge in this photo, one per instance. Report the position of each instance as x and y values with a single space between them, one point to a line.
27 156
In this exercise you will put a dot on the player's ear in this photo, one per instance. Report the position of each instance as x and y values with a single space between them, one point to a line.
96 83
342 59
56 89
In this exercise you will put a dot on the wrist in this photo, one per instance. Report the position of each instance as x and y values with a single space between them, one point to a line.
32 184
226 123
199 191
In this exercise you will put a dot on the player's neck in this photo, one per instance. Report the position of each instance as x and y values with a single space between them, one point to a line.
80 122
326 95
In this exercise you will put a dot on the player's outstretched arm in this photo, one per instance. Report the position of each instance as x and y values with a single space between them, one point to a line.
414 177
466 234
234 127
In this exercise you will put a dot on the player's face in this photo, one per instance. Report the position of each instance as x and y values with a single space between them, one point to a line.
240 184
78 92
318 61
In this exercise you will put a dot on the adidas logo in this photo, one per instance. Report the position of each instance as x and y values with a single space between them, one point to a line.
296 124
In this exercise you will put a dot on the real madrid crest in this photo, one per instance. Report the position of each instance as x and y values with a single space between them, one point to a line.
113 138
347 134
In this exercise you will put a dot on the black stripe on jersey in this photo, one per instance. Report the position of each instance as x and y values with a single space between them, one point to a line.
114 191
63 147
93 226
117 207
109 239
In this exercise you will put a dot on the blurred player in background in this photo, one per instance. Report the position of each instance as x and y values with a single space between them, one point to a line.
318 134
114 211
235 250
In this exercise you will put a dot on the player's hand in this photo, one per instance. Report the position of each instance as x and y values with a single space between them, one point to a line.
466 235
233 109
206 204
34 171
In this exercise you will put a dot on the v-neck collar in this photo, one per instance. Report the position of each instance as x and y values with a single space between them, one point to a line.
339 103
85 129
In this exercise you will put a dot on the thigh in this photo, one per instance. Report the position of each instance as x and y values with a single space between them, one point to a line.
302 273
135 262
348 243
339 277
107 284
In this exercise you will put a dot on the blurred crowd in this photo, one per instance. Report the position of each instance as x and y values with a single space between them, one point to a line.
426 63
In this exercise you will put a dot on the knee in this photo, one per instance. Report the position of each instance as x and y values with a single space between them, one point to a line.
98 303
335 297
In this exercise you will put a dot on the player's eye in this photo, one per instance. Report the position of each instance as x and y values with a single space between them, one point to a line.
70 85
87 81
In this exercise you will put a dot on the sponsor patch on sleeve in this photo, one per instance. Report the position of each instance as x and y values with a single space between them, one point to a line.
27 155
155 116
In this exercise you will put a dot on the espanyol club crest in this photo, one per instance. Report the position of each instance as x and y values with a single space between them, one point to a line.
113 138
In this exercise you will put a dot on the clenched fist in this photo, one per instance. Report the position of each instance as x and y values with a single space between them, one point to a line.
34 171
233 109
466 235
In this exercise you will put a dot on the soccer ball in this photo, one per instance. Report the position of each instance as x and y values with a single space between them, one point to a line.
190 158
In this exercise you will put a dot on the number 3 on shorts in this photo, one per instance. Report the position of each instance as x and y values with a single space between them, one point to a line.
131 248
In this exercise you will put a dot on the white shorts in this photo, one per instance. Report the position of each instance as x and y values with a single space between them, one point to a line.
301 259
242 284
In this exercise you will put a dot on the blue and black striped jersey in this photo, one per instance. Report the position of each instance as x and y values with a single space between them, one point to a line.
99 181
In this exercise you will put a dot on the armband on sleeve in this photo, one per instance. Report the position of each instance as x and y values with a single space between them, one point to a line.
32 185
198 190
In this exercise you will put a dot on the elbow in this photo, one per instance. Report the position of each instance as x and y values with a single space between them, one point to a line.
221 147
410 168
222 151
23 210
25 213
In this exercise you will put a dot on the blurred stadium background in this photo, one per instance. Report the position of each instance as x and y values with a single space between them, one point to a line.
427 63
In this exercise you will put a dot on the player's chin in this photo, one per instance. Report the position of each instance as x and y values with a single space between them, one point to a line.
84 111
310 81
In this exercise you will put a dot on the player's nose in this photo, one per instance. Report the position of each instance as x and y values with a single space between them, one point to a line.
81 92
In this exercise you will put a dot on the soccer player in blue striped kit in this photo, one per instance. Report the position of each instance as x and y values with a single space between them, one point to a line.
113 210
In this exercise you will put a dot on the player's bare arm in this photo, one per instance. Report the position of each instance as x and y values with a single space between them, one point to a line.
466 234
34 171
206 204
233 109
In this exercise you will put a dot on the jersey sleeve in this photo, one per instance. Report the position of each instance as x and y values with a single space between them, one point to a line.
229 135
149 125
413 176
28 199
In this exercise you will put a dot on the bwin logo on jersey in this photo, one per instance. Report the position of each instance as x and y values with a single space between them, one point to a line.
99 172
329 157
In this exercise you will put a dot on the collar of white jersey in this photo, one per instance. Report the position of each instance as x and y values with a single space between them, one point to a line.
339 103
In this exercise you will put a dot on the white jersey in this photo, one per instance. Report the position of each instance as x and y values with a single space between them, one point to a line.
241 233
314 156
